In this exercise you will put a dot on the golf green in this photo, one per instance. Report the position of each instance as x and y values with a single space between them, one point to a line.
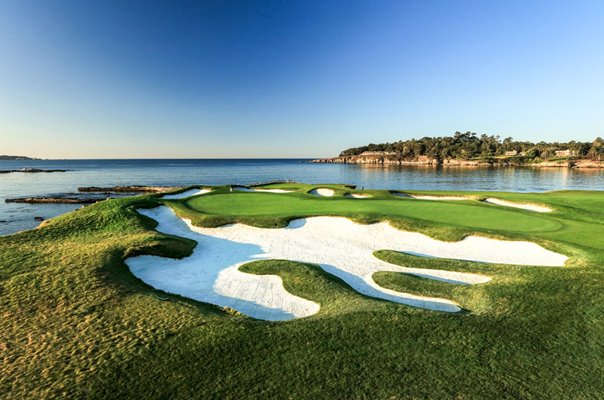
77 324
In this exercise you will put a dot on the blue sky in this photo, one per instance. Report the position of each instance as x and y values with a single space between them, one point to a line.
115 79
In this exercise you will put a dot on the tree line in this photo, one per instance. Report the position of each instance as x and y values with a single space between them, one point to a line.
469 145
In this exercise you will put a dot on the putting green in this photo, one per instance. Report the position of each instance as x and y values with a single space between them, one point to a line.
468 214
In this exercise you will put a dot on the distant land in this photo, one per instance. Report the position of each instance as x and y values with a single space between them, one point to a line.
12 158
471 149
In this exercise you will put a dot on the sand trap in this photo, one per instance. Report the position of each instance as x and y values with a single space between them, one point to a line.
186 193
524 206
442 198
247 189
429 197
340 246
273 190
358 196
322 192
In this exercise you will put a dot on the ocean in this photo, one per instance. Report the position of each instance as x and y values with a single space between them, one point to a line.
176 172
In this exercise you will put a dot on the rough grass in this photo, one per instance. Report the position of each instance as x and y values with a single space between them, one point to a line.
77 324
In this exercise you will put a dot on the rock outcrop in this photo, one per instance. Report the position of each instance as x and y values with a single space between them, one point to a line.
588 164
130 189
56 200
30 170
389 158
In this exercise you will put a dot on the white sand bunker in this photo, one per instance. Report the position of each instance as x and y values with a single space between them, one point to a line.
247 189
436 198
429 197
358 195
338 245
186 193
322 192
273 190
524 206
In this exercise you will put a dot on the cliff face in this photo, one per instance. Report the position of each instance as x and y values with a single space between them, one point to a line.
385 158
359 159
375 157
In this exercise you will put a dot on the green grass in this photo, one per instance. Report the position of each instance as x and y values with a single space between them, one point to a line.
475 215
75 323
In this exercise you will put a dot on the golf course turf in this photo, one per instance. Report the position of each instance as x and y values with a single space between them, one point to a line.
77 323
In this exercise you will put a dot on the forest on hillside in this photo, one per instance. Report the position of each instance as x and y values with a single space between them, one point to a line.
469 145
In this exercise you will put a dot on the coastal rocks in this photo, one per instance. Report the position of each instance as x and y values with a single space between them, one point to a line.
553 164
390 158
376 157
382 158
31 170
56 200
96 194
466 163
588 164
40 219
394 159
133 188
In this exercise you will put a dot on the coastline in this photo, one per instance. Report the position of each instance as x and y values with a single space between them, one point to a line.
384 160
105 175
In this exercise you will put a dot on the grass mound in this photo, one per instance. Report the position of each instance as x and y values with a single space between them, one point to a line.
77 324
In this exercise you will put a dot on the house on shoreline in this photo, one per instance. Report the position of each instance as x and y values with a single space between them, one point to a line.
565 153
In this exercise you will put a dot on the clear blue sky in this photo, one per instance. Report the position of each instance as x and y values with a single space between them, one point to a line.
90 79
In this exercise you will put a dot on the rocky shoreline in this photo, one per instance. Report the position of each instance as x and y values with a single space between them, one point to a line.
56 200
31 170
129 189
92 194
393 159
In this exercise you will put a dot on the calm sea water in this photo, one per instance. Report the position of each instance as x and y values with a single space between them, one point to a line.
16 217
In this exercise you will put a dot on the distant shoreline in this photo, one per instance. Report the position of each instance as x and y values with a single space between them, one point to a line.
472 150
16 158
31 170
387 161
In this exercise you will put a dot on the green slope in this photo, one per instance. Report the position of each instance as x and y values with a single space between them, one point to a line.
76 323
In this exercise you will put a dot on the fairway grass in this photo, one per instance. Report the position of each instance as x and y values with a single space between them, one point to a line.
76 323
